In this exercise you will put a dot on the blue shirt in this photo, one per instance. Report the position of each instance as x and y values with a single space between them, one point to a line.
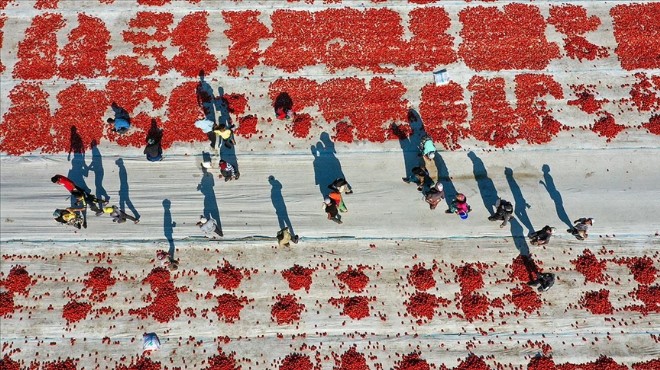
121 123
429 147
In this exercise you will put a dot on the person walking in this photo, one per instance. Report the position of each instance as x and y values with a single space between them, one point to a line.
341 185
435 195
227 171
284 237
504 212
71 216
419 176
153 150
83 198
541 237
339 200
580 227
459 206
544 281
209 227
223 135
331 210
118 215
166 260
427 147
86 199
67 183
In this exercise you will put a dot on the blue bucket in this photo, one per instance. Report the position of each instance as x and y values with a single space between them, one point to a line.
463 215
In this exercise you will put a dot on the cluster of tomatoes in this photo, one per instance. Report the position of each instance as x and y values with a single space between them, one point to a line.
223 361
645 92
445 114
423 305
190 36
354 278
634 25
586 99
355 307
590 266
229 307
164 307
421 278
286 310
99 280
296 361
37 52
413 361
495 45
351 360
75 311
86 53
525 298
227 276
597 302
298 277
642 268
245 31
470 277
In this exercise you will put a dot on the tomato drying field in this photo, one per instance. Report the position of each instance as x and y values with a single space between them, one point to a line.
554 106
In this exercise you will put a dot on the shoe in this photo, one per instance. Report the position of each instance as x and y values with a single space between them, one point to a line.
137 221
420 188
448 211
349 192
406 180
295 239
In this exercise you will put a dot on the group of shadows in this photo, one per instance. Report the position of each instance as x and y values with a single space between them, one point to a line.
327 168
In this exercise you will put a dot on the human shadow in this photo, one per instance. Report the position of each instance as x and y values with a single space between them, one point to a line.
409 140
445 179
283 102
120 112
521 205
223 109
228 154
168 225
124 198
205 186
76 143
530 266
279 205
96 166
518 236
486 187
555 195
327 167
205 98
76 156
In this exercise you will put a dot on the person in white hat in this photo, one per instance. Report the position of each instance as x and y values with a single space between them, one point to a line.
581 227
435 195
209 226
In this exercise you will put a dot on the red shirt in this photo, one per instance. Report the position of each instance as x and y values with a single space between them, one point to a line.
64 181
